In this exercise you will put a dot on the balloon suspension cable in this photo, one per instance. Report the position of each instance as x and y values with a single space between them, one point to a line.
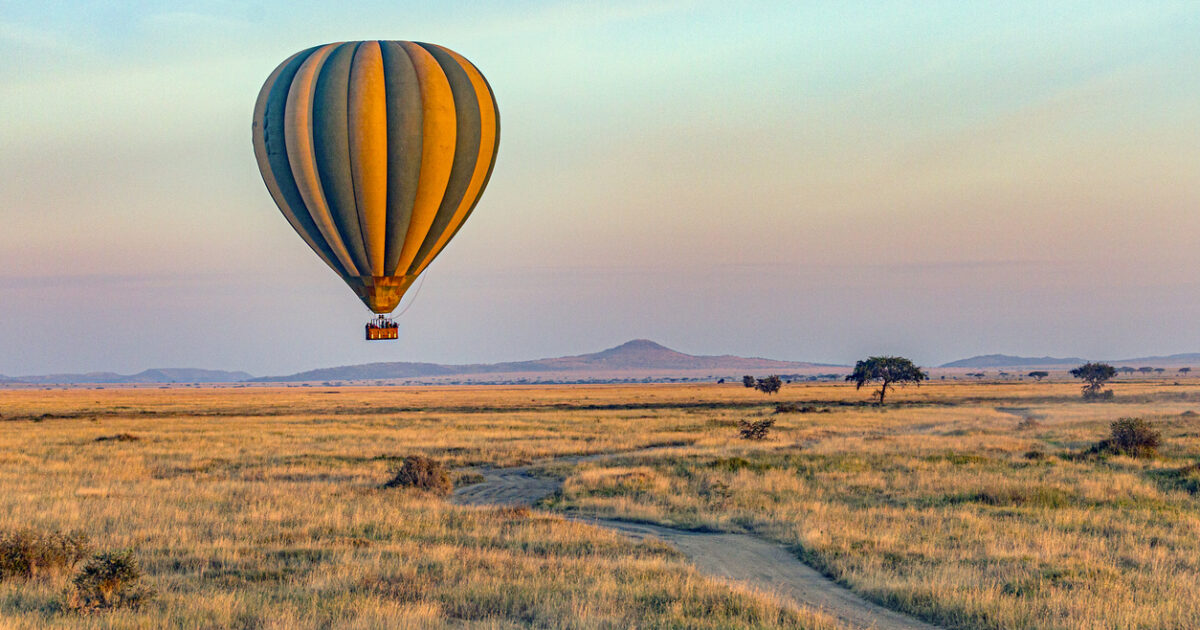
414 297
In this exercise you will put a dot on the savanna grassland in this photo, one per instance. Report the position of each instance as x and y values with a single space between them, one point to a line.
972 505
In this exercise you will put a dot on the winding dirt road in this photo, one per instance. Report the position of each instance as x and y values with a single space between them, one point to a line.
743 558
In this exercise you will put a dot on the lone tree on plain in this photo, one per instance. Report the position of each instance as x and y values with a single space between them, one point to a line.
748 381
1095 375
1184 370
888 371
1039 375
1126 370
1145 369
769 385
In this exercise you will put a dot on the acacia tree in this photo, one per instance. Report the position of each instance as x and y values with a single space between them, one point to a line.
748 381
1184 370
1039 375
1095 375
888 371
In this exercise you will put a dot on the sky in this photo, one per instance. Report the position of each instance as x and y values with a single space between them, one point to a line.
797 180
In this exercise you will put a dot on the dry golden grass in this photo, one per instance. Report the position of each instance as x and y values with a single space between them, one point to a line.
263 508
938 510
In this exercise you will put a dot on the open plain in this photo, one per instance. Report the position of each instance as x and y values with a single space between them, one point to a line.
959 504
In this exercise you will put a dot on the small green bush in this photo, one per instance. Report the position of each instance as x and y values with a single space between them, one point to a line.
28 553
423 473
109 580
1134 437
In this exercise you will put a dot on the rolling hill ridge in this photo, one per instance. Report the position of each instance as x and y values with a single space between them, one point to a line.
638 355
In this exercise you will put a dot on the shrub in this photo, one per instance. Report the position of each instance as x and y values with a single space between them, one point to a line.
1134 437
423 473
791 407
755 429
748 381
27 553
109 580
120 437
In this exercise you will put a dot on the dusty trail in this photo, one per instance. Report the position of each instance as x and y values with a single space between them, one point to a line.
762 564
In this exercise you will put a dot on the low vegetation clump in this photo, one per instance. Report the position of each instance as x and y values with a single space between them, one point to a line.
792 407
28 553
422 473
109 580
1134 437
120 437
755 429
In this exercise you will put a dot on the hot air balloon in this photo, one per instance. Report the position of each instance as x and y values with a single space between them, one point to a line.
376 152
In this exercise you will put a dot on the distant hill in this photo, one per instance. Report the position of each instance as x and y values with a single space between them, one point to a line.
363 372
1188 358
639 355
158 375
1005 360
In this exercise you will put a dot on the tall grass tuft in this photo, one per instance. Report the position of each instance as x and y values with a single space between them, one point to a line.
28 553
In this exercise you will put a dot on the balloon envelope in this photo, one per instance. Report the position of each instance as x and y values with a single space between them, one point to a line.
376 152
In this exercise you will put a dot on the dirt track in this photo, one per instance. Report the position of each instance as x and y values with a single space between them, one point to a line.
759 563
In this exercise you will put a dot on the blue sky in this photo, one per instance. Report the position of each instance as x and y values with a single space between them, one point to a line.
813 181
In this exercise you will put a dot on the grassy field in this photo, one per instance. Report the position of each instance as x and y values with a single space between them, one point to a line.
263 507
